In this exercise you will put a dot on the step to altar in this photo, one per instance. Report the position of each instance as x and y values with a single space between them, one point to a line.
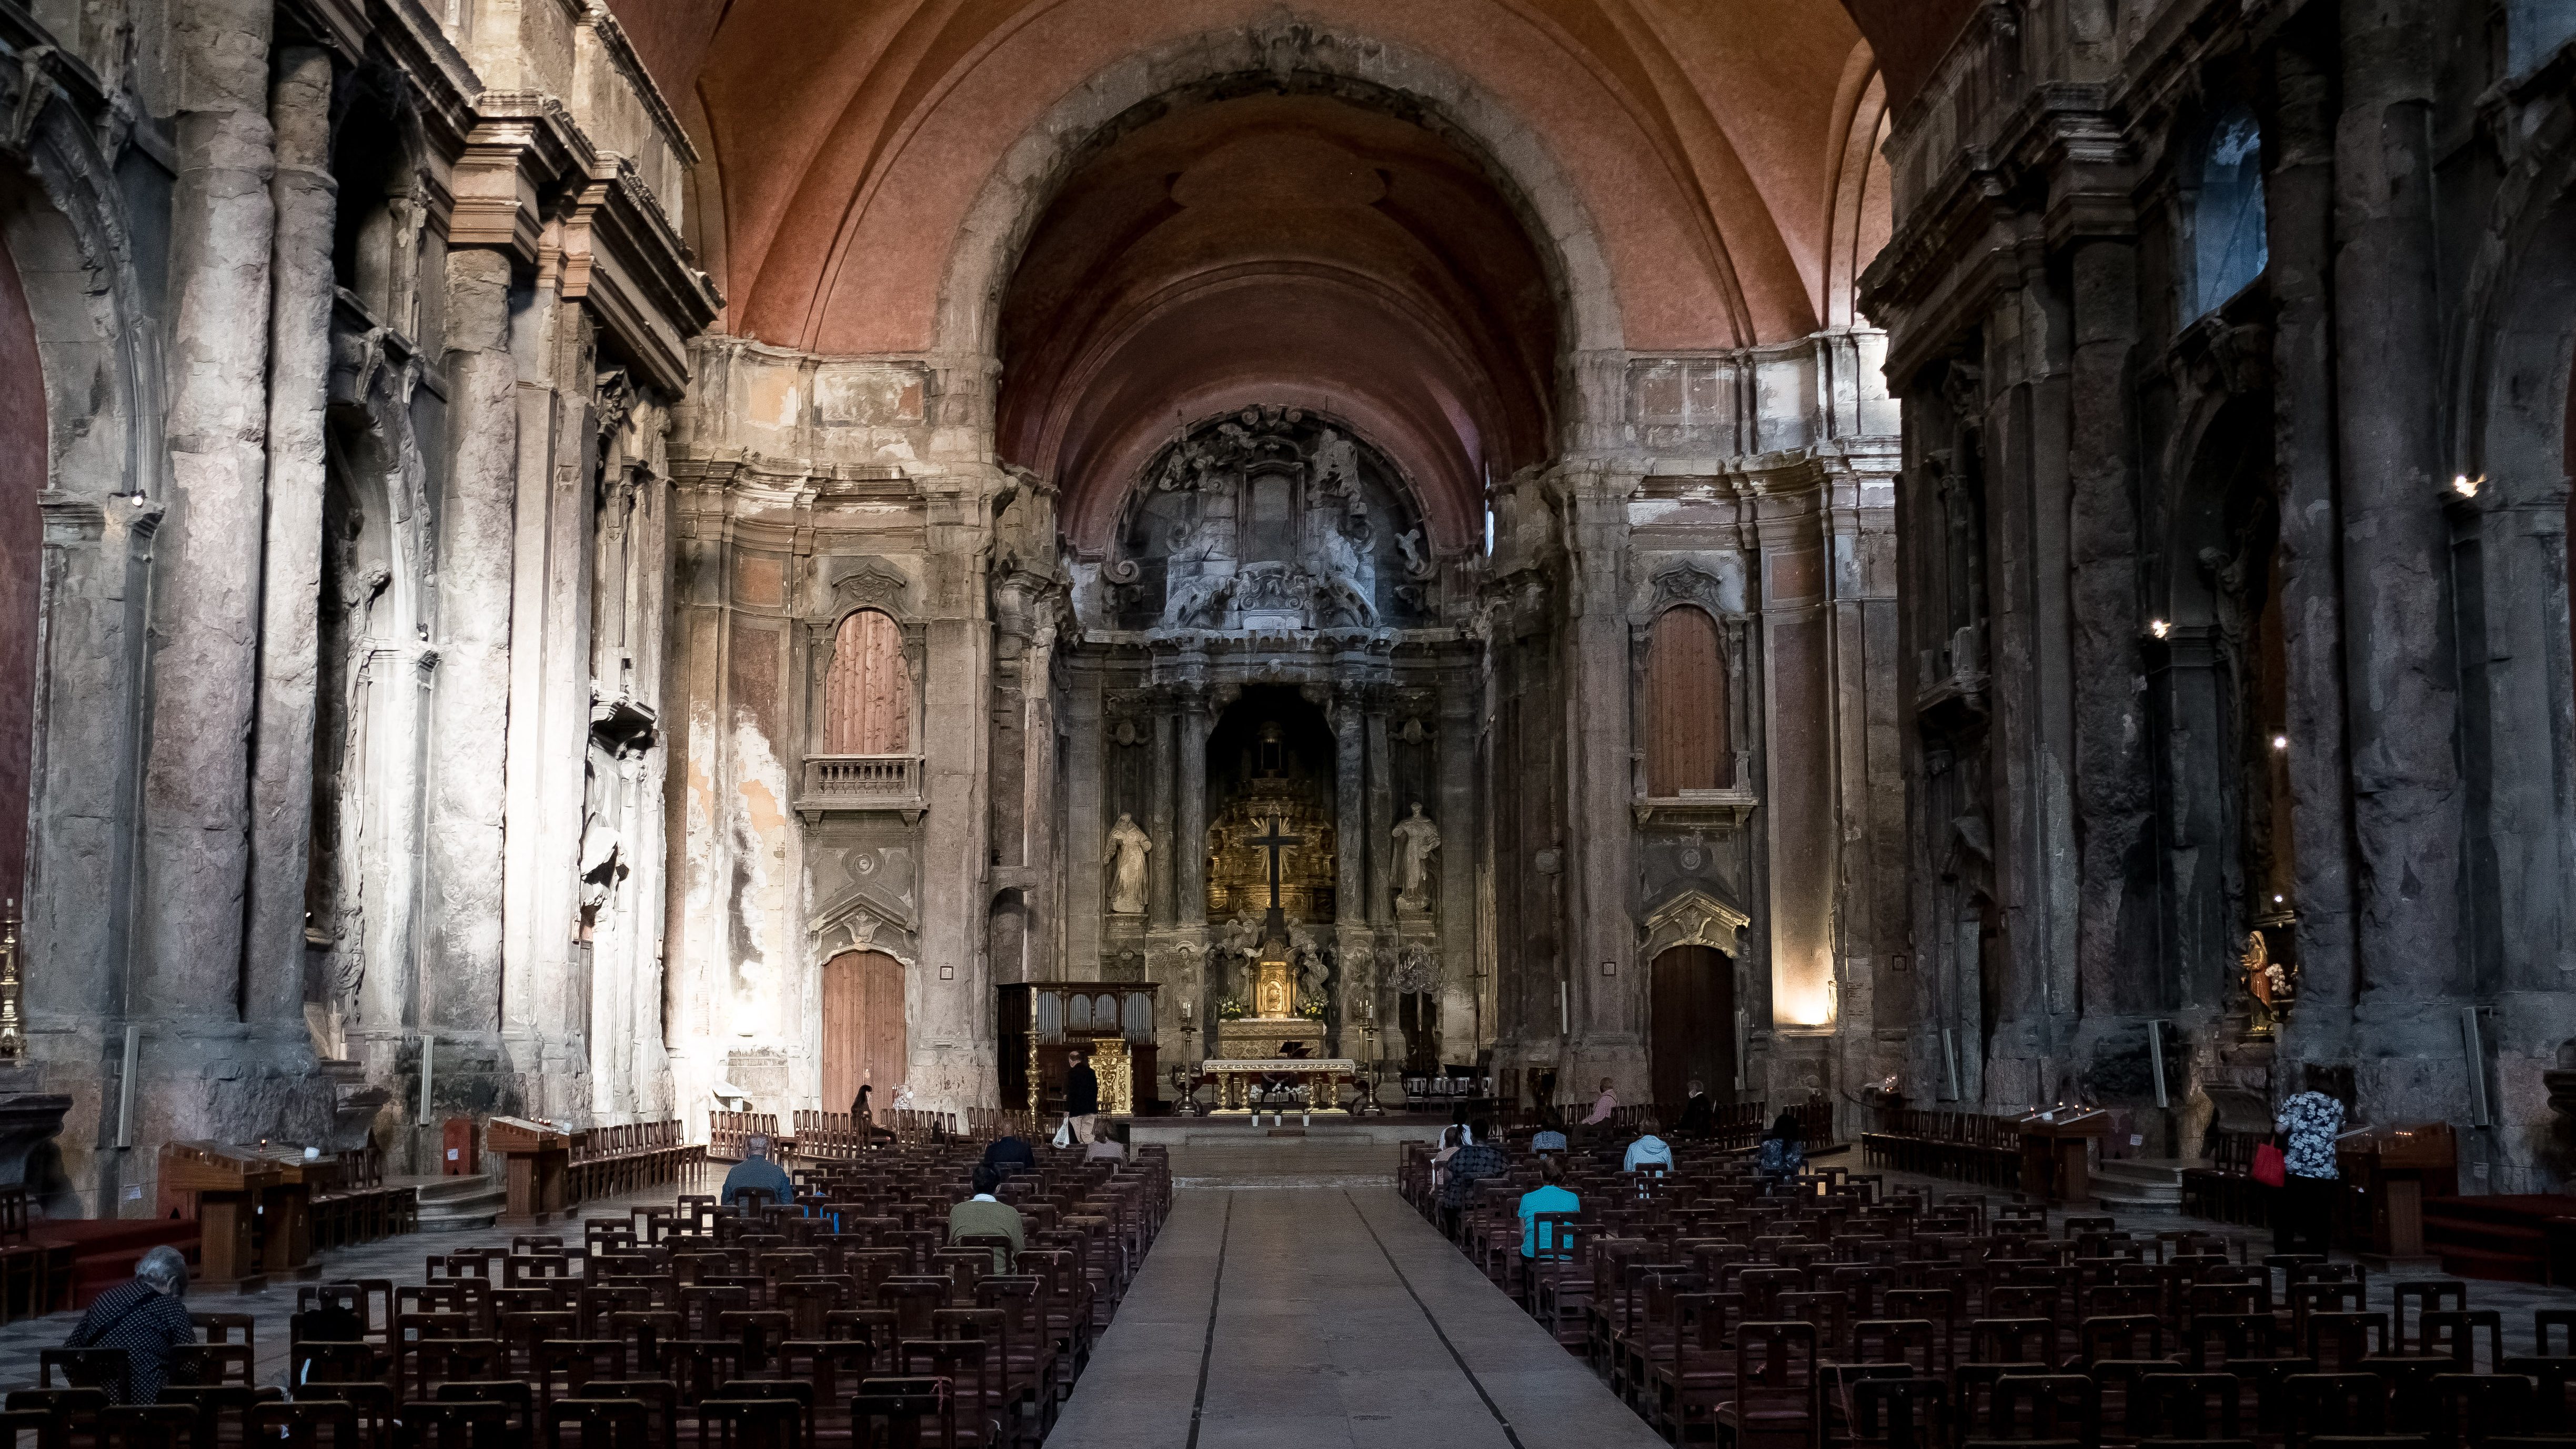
1325 1150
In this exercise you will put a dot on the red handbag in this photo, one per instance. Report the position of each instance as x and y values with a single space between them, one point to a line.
2270 1168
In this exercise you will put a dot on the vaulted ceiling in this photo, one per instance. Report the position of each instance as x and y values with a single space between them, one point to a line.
1265 243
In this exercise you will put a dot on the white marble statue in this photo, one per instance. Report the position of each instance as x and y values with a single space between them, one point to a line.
1416 840
1127 848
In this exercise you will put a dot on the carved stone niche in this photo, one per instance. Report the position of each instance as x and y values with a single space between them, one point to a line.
30 1117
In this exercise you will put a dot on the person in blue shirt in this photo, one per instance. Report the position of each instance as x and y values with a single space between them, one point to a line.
1649 1150
757 1173
1550 1196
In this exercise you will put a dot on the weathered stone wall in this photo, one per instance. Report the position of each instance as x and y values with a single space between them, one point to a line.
2208 609
365 445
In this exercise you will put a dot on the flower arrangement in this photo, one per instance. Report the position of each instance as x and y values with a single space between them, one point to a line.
1311 1006
1230 1010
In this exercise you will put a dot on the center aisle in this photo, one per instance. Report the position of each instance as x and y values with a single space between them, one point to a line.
1330 1310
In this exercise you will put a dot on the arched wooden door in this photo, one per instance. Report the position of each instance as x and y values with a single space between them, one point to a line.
863 1028
1693 1016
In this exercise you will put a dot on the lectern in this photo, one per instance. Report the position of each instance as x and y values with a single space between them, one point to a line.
539 1160
2053 1151
2393 1170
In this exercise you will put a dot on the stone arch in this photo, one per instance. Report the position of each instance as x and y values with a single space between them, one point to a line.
1015 195
2511 438
63 222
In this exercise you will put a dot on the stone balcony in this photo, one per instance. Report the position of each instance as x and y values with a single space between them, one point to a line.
860 782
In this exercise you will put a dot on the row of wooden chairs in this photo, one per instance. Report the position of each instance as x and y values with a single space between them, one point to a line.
1721 1308
843 1318
617 1161
728 1131
1966 1146
351 1202
2226 1189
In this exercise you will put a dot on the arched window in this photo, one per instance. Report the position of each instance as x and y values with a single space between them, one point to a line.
867 697
2229 246
1687 747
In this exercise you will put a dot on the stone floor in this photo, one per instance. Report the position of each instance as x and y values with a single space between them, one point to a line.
1325 1316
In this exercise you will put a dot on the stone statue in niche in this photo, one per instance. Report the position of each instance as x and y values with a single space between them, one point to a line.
1416 841
1127 849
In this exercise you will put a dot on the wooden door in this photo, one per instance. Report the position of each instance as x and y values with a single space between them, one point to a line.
1693 1017
863 1029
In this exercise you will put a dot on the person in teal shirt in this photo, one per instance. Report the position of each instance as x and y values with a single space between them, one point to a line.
1550 1196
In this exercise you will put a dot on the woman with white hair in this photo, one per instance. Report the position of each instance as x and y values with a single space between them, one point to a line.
146 1319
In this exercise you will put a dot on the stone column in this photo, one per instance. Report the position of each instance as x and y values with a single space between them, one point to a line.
460 988
1159 810
1381 816
2114 792
1350 807
1189 842
196 835
2403 712
299 375
2301 220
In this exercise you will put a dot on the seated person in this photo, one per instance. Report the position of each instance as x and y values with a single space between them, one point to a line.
756 1173
1105 1147
1011 1154
1782 1153
1481 1157
1649 1150
1452 1138
1699 1114
1603 1105
145 1318
1550 1196
988 1216
1547 1139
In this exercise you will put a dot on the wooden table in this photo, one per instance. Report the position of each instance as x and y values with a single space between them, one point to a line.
249 1200
1236 1077
2054 1151
539 1162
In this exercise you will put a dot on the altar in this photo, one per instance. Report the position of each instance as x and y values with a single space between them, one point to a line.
1252 1084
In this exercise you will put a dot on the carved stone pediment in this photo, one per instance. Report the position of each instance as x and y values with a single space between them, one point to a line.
872 584
1684 583
1694 917
871 880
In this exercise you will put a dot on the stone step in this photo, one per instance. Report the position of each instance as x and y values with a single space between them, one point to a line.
461 1204
2146 1171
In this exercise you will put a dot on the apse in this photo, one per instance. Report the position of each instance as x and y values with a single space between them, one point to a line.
1239 246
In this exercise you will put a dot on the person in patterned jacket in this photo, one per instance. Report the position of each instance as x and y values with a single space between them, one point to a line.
2303 1205
1481 1157
146 1319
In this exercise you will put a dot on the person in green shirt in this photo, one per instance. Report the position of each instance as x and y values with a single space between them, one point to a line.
989 1216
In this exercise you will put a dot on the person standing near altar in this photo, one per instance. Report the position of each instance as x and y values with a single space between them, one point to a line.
1081 1098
